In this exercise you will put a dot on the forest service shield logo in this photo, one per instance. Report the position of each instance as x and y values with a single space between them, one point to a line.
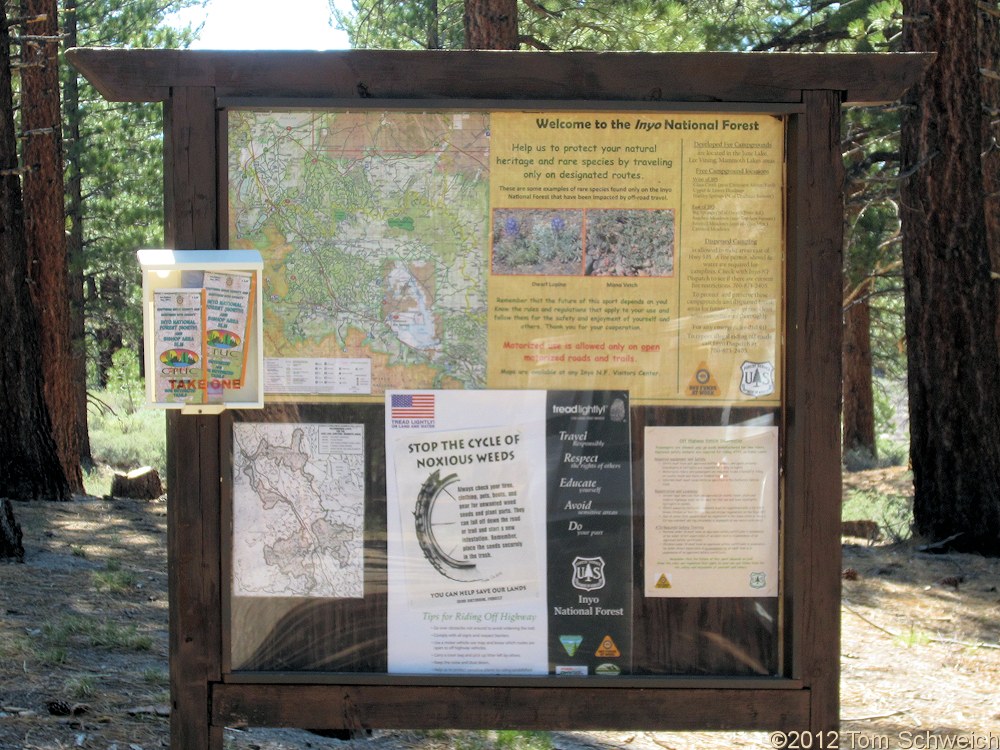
758 379
588 573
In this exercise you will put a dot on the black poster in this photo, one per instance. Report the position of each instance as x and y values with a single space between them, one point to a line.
589 532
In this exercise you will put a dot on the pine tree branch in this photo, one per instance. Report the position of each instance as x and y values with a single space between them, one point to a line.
45 38
37 131
533 41
790 36
542 11
19 20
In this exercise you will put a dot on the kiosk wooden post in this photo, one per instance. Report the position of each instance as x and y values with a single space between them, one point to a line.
800 690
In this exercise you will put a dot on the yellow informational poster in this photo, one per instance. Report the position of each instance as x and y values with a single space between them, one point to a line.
640 251
637 250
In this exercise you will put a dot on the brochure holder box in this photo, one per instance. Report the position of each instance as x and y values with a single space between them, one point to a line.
203 333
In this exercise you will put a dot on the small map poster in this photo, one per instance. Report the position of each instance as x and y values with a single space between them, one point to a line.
373 227
298 510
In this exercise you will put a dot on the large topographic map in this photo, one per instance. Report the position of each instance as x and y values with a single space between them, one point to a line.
298 510
373 227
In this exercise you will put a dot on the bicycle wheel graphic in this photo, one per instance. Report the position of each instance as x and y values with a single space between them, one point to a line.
436 517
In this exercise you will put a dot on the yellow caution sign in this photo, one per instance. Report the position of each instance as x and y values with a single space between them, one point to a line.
663 582
607 648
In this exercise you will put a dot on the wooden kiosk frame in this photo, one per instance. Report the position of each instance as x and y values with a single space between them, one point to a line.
811 89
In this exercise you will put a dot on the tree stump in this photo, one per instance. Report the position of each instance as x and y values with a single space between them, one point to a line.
140 484
11 546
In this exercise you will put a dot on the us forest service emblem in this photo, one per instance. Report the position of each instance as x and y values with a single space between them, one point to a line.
588 573
758 580
758 379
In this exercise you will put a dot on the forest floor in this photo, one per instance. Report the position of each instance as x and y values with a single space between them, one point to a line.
83 645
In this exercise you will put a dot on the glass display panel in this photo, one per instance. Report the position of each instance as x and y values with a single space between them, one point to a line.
523 378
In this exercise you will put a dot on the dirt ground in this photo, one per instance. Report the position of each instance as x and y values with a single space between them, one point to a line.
83 645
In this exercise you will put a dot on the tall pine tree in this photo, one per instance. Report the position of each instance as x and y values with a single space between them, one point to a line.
114 187
45 223
29 462
951 299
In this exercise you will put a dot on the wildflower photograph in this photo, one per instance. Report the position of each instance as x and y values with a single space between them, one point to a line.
541 242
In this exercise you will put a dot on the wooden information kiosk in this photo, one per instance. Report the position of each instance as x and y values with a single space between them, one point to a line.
551 386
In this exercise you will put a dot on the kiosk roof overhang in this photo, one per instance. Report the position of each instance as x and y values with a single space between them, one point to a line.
752 77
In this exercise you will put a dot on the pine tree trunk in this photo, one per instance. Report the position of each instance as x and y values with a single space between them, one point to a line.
45 224
11 546
490 24
859 404
953 363
433 26
989 60
74 239
29 463
109 332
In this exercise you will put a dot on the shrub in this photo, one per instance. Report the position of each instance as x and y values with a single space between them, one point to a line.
893 512
124 433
